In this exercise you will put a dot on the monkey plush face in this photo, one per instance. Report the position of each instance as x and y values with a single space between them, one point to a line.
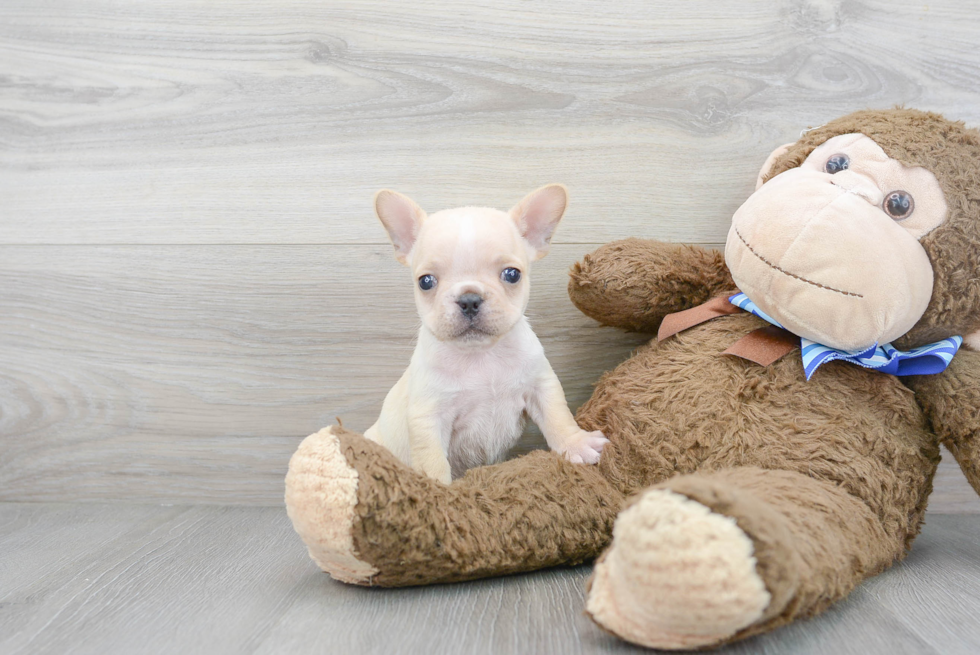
831 249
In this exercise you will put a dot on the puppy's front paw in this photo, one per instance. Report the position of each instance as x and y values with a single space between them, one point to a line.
444 476
436 468
585 447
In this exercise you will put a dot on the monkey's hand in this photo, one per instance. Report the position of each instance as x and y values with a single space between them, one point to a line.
632 284
951 400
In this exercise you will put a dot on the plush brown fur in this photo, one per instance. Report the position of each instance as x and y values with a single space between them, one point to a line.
494 520
828 478
679 276
952 403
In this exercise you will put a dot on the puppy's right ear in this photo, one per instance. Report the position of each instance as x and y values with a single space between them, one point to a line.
402 218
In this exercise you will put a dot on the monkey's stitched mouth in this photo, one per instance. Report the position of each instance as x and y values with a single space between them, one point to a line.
793 275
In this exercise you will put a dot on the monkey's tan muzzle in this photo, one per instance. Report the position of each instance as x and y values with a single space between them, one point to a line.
818 254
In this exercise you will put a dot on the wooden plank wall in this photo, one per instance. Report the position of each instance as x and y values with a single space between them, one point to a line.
191 277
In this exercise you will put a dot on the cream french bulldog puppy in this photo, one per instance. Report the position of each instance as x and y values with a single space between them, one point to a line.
478 367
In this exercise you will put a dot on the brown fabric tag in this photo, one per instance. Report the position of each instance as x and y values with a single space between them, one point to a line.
765 345
680 321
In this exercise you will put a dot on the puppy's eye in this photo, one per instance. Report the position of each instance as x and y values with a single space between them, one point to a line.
510 275
837 163
898 205
426 282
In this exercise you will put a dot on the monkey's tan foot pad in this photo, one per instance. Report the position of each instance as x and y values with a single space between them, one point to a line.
321 500
365 517
677 576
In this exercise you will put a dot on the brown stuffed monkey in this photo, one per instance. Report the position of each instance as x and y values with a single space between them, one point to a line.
734 495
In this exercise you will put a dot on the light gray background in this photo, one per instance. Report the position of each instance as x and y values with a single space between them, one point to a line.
192 279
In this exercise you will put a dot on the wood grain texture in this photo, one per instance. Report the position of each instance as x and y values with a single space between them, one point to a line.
177 374
190 374
190 275
950 621
259 122
144 579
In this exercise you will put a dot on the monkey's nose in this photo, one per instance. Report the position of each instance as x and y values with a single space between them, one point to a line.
859 185
469 304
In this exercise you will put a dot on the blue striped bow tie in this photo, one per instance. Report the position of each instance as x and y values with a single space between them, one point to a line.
924 360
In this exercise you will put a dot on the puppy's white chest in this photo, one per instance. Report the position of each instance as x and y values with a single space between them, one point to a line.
487 419
495 397
483 400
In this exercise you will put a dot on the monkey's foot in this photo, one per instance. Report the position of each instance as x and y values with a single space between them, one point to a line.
369 519
321 498
677 575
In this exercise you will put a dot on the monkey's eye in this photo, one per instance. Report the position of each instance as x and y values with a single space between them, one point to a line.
837 163
426 282
510 275
898 205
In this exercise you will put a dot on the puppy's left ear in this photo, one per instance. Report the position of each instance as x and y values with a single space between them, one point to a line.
537 216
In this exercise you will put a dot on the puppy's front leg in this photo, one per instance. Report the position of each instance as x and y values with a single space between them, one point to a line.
425 434
548 408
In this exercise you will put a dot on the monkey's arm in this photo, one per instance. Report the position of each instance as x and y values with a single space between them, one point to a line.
634 283
951 400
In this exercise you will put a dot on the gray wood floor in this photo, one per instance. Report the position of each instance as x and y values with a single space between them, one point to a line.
151 579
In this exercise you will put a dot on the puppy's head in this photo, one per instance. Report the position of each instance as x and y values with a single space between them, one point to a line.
470 265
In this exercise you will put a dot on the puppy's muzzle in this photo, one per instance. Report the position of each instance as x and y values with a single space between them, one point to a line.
469 304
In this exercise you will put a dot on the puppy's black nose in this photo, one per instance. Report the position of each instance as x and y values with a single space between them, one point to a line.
469 303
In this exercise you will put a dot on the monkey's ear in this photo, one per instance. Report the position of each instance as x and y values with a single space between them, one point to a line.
402 218
773 156
973 340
